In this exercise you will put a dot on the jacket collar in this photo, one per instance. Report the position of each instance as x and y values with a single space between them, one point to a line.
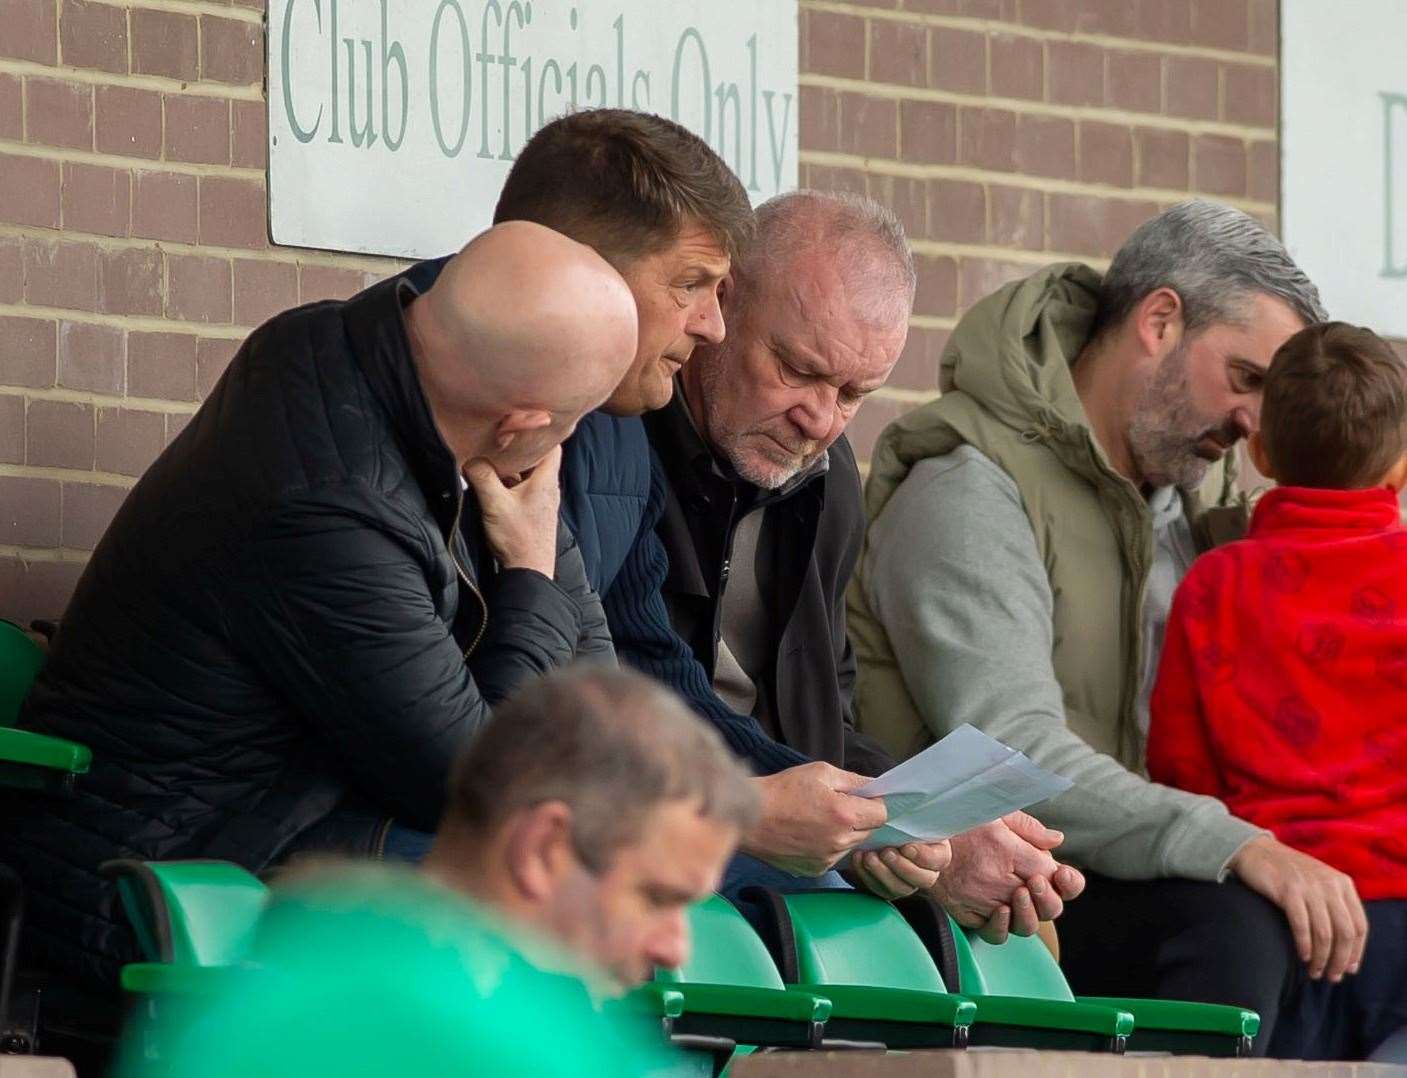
1312 514
377 337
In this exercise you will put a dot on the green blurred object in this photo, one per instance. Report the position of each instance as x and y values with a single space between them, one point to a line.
29 760
1024 967
359 971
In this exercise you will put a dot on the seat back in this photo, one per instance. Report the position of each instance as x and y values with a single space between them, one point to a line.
195 913
20 660
1022 966
847 937
725 949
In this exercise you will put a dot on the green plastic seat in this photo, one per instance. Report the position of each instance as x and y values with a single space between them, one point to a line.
883 985
193 920
1023 966
30 761
730 988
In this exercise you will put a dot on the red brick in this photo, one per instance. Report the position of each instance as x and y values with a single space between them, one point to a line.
11 270
835 44
129 440
263 289
1018 217
898 53
957 211
1082 224
96 199
919 362
29 511
233 213
1062 15
128 121
980 277
869 422
164 206
987 138
31 186
130 281
822 178
198 288
1004 10
1112 18
31 31
92 358
1264 34
908 198
1076 73
36 589
231 51
175 423
1163 158
1018 67
1192 88
1249 94
250 133
332 282
1045 146
1106 154
1219 165
93 35
197 129
869 126
927 132
88 509
937 285
161 366
1222 24
958 60
1167 21
59 434
165 43
11 108
1135 81
819 116
1263 171
60 274
11 429
59 113
212 356
29 355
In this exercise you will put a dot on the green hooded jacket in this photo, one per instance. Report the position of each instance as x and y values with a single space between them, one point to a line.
1008 393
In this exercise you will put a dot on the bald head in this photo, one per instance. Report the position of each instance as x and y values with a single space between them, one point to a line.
523 333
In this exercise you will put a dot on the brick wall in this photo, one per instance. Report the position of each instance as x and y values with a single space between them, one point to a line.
133 246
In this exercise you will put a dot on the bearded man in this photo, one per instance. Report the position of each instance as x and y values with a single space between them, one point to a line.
1028 529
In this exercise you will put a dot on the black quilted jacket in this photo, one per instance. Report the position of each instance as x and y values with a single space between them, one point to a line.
268 648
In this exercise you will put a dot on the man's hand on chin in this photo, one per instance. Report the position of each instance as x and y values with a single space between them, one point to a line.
1003 878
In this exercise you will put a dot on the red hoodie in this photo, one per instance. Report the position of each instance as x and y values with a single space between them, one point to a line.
1283 683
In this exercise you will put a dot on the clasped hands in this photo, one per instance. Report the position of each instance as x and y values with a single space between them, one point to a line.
997 878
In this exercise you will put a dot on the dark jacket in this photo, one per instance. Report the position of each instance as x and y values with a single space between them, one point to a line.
812 535
272 636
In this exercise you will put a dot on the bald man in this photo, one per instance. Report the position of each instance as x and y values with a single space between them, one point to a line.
300 613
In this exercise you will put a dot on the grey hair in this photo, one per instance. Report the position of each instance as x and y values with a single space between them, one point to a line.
866 238
1216 258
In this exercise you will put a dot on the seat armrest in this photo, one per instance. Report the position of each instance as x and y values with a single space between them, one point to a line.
1180 1015
170 979
40 750
748 1002
876 1004
1054 1014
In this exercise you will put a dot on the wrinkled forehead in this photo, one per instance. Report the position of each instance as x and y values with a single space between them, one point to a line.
844 317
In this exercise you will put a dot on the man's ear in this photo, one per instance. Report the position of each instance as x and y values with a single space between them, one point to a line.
727 288
519 421
538 852
1255 446
1396 477
1157 322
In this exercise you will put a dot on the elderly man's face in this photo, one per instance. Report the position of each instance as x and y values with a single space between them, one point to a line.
632 917
676 294
1205 395
802 357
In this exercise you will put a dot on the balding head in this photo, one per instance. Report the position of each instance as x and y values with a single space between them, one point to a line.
523 333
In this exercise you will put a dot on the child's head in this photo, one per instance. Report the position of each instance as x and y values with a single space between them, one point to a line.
1335 411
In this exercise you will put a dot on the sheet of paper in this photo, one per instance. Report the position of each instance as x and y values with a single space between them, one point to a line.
965 780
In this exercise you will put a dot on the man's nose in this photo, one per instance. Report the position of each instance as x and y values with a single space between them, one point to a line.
669 946
706 321
1246 417
815 416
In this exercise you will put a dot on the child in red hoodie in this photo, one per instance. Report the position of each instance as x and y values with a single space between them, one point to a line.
1282 689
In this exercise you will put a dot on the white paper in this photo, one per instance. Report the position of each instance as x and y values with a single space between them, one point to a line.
963 781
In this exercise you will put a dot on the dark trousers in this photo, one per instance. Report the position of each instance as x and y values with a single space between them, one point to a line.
1181 939
1352 1019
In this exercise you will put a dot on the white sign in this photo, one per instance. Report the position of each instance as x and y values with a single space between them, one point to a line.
1343 154
393 123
